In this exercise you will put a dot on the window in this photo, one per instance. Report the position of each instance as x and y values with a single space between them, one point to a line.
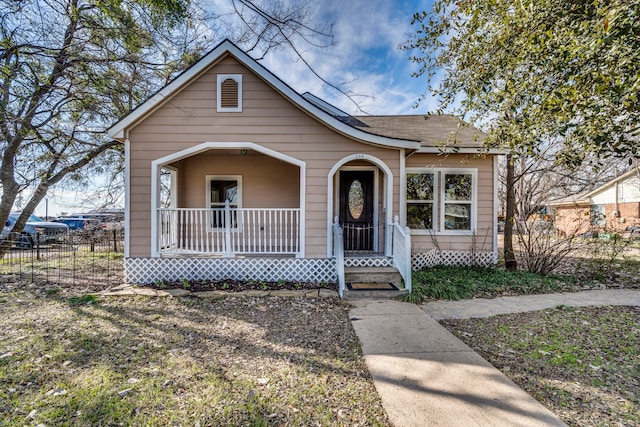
441 200
219 190
457 201
598 216
229 89
420 200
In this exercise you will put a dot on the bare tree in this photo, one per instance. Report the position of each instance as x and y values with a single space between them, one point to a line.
69 67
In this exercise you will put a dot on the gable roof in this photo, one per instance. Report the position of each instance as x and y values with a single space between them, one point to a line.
608 184
408 132
585 197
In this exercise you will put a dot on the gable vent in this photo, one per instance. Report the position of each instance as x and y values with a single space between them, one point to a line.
229 93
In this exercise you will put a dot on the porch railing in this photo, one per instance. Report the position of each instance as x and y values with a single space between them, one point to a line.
338 253
229 231
402 252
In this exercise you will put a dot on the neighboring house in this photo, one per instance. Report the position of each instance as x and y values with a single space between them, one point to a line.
611 207
260 174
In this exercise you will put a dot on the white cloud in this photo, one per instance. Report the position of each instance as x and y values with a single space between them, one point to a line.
365 58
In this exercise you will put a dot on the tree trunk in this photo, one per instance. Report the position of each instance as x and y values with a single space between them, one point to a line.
509 256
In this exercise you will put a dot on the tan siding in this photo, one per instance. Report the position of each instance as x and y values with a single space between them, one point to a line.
267 119
266 182
485 221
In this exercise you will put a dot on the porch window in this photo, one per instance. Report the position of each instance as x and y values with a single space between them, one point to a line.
441 200
221 189
229 87
420 200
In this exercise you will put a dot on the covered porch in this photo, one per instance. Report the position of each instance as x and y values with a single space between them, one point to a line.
227 199
228 231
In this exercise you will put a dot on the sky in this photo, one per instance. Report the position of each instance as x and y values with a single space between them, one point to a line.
365 56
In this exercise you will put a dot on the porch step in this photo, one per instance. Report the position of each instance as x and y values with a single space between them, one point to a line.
373 294
373 275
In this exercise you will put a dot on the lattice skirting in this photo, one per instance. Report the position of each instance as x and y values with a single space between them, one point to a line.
149 270
368 262
420 260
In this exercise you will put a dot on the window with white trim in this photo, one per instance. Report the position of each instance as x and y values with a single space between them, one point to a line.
421 190
457 201
229 89
442 201
219 190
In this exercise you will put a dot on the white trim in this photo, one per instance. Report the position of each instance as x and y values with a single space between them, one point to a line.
127 197
221 78
435 218
402 207
473 203
173 171
209 178
174 186
388 201
303 207
439 202
207 188
155 202
117 130
496 207
376 189
205 146
610 183
462 150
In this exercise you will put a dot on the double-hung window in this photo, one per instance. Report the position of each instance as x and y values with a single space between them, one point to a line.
421 190
457 201
441 201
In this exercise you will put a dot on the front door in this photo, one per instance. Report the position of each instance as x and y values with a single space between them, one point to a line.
356 210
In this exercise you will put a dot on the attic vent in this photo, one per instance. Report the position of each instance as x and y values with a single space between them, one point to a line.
229 93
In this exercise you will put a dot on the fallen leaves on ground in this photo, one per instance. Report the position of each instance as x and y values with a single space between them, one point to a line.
182 361
582 363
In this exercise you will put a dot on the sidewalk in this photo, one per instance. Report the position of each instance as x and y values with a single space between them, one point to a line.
427 377
482 307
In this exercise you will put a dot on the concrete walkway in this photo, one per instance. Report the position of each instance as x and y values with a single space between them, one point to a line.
427 377
482 307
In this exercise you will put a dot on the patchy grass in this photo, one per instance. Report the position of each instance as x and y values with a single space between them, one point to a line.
583 364
457 282
152 361
84 299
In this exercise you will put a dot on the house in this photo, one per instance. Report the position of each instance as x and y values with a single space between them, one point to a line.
612 207
270 184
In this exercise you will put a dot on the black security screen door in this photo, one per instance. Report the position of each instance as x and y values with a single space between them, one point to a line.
356 210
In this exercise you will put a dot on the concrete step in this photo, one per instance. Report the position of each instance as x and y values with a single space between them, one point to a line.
372 275
374 294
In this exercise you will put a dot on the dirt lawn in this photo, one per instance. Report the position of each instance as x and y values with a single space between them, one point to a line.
181 361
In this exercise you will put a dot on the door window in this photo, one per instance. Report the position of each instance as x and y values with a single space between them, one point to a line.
356 199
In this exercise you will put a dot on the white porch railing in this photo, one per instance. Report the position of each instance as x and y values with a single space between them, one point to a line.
338 253
229 231
402 251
